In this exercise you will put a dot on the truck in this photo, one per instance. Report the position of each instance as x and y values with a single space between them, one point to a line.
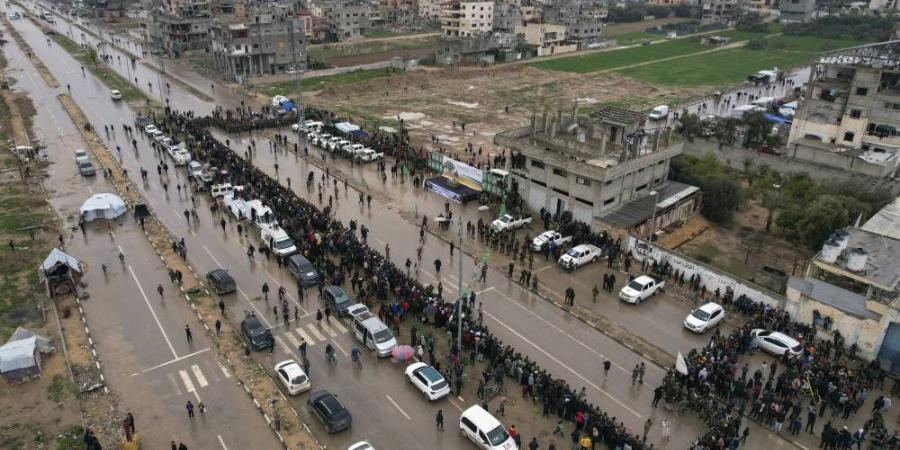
578 256
509 222
551 238
276 239
246 209
640 289
369 155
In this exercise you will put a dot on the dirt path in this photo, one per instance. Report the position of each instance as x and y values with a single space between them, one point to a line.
619 29
366 40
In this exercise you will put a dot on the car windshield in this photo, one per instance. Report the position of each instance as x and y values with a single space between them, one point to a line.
256 330
498 435
341 300
764 333
383 336
85 164
283 244
572 252
505 219
700 314
797 348
299 379
635 285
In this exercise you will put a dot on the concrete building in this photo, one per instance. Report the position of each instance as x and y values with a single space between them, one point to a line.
761 7
484 49
590 166
346 20
271 38
181 27
851 287
546 39
795 11
851 108
583 31
884 7
507 17
719 11
467 19
430 9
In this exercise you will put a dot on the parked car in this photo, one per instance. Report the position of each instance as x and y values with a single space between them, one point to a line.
260 337
509 222
334 416
115 94
485 430
357 310
337 300
776 342
86 168
221 281
704 317
428 381
361 445
81 155
578 256
301 268
368 155
292 376
659 113
640 289
150 129
549 237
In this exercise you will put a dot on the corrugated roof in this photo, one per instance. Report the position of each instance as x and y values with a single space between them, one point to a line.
618 115
886 222
831 295
637 211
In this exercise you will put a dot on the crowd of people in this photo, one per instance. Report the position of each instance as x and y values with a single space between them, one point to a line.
389 289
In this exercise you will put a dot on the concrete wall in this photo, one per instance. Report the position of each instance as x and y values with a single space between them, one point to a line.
710 277
822 166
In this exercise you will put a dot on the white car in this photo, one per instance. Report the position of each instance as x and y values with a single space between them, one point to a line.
292 377
428 380
369 155
361 445
776 342
352 149
356 310
332 143
181 157
321 139
339 145
81 155
150 129
704 317
115 94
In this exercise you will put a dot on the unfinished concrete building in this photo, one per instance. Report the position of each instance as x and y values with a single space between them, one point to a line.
851 111
796 11
724 12
181 27
603 168
268 39
467 18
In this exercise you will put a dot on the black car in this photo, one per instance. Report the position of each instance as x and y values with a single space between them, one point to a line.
330 411
337 300
259 336
221 281
305 272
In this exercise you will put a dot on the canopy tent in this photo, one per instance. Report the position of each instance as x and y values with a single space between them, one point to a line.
20 357
102 206
58 262
346 127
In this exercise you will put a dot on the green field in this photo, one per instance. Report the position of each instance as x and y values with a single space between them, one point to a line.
289 87
90 61
594 62
637 36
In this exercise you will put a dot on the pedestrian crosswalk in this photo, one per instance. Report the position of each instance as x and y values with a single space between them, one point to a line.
192 378
313 333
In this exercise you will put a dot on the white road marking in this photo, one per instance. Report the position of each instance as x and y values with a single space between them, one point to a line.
120 250
398 407
456 405
290 337
188 384
225 370
287 347
201 380
315 332
340 349
175 386
340 328
222 442
305 336
158 324
328 329
585 380
259 314
173 361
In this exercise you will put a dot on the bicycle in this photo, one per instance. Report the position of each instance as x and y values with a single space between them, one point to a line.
492 389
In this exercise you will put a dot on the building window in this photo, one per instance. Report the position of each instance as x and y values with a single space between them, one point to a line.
560 172
591 204
657 181
855 113
848 136
582 181
894 106
862 91
536 163
539 183
608 182
641 187
608 201
640 170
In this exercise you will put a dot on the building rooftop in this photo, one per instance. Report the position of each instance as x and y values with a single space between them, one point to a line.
638 211
837 297
886 222
619 116
882 55
882 267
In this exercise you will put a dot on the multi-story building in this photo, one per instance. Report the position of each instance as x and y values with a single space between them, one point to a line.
851 288
546 39
884 7
600 168
466 18
346 19
583 31
507 17
796 11
851 108
719 11
430 9
762 8
271 38
181 27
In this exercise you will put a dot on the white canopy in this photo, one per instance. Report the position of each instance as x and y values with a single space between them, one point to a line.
103 206
346 127
19 354
57 257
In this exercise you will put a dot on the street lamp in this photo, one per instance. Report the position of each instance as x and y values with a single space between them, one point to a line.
655 195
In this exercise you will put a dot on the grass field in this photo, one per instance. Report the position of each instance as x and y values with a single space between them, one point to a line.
594 62
637 36
109 77
289 87
733 65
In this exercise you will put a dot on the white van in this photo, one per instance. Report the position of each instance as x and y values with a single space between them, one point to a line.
659 113
195 169
484 430
277 239
374 334
221 190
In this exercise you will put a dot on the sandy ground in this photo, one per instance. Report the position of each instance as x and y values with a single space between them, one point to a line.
433 101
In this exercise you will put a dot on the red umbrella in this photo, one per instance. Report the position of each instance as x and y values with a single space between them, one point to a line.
402 353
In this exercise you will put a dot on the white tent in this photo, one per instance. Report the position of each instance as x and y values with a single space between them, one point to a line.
20 357
102 206
58 258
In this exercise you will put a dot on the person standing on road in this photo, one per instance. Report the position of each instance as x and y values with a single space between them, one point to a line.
641 371
302 348
647 425
188 334
606 365
160 290
218 327
437 266
533 445
439 420
222 307
190 409
596 291
452 247
484 270
265 291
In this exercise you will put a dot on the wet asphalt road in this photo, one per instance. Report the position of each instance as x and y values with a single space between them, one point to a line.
141 339
562 344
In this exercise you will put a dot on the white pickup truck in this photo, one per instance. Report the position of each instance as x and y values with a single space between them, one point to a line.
276 239
509 222
640 289
369 155
578 256
549 238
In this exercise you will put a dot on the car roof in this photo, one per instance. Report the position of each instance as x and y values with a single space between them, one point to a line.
253 322
299 259
783 337
478 414
643 279
219 274
328 400
291 367
710 307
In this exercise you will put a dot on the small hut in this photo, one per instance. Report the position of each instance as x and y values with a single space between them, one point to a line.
61 272
20 357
